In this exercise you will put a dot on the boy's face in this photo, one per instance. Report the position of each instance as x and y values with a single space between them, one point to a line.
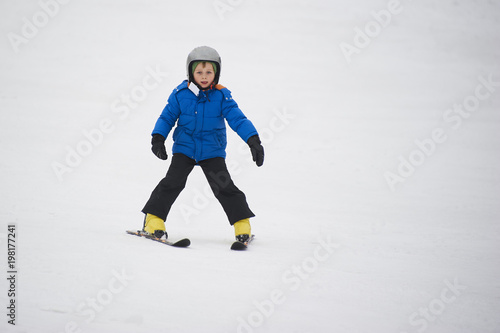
204 75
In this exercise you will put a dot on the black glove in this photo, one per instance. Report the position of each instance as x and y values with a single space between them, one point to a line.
158 142
256 149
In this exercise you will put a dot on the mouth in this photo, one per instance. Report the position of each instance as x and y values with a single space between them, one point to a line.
204 83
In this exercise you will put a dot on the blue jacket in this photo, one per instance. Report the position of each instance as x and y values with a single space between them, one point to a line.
201 130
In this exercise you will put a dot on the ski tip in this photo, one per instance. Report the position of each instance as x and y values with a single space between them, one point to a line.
239 246
182 243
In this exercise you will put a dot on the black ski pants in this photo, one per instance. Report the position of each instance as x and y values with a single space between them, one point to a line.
233 201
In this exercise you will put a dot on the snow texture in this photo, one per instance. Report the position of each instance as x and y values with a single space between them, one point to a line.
377 205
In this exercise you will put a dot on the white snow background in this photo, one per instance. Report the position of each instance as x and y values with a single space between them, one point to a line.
377 205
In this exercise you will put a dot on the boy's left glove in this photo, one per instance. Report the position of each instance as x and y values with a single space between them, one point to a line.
256 149
158 148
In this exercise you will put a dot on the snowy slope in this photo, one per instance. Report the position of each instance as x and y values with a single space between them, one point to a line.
377 205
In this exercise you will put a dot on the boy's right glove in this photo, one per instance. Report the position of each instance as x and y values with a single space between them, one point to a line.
256 149
158 142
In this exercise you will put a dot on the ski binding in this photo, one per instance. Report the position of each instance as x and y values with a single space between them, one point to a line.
242 245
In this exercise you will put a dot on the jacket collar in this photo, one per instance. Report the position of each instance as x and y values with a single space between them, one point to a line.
194 88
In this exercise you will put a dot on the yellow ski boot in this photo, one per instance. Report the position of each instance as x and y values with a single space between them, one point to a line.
155 226
242 230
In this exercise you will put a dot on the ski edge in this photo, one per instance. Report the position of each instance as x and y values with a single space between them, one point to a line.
184 242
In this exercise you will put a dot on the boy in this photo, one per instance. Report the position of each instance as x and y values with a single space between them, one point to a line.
199 106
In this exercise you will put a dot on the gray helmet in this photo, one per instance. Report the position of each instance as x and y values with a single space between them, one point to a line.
203 53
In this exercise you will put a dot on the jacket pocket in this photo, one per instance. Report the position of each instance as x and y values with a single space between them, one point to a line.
220 138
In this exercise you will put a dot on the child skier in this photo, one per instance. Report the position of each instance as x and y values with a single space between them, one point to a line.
199 106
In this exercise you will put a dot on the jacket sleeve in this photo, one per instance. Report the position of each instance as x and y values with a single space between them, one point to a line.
235 117
168 117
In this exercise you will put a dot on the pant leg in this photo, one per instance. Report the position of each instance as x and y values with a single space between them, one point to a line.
169 188
233 200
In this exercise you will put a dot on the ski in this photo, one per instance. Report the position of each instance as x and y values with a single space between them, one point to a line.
241 246
185 242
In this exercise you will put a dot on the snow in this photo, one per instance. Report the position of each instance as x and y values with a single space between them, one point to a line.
377 205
